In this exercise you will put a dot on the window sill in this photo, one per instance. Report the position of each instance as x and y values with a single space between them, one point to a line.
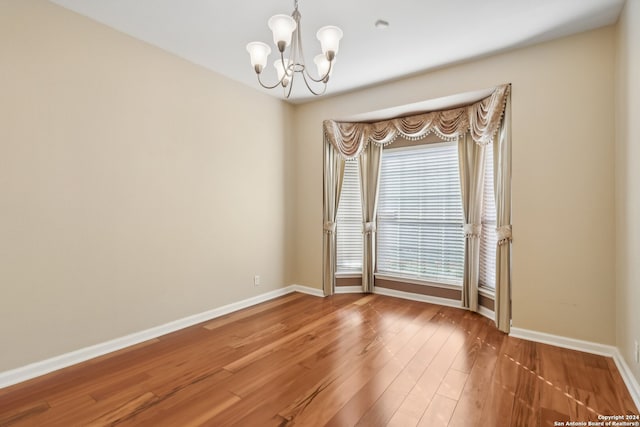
414 281
487 292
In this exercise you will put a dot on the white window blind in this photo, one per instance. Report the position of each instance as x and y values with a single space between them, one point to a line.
349 222
420 214
488 238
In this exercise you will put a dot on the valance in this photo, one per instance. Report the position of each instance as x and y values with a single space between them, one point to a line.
482 119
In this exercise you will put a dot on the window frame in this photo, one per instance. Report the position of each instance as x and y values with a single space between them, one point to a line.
347 272
407 145
403 144
488 226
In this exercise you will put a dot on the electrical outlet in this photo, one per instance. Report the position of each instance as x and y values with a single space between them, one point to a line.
256 280
637 352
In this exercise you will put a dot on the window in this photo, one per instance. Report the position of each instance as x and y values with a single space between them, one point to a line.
488 239
419 217
349 222
420 214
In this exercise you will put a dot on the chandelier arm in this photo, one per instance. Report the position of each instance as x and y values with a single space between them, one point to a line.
286 69
266 86
290 88
284 76
324 88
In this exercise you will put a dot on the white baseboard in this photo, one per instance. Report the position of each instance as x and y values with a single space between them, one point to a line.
46 366
305 290
417 297
489 314
425 298
588 347
628 377
348 289
564 342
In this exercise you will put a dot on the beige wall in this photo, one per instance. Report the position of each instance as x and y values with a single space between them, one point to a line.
563 203
628 183
117 212
119 207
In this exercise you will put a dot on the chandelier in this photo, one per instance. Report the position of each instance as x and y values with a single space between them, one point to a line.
286 31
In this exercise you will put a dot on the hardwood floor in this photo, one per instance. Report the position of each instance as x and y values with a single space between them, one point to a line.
347 360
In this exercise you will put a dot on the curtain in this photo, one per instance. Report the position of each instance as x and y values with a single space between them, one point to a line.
502 188
332 184
481 118
476 125
471 161
370 160
349 139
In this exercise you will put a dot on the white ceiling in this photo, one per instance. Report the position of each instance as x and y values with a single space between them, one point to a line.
423 34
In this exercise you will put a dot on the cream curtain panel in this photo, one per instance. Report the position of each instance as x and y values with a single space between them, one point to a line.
502 189
475 125
370 160
333 174
471 162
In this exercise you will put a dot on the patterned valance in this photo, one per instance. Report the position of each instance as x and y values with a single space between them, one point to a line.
481 119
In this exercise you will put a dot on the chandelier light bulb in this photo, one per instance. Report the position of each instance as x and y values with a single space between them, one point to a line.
282 27
323 64
259 52
282 70
329 37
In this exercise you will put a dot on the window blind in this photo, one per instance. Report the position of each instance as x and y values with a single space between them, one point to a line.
349 222
488 238
420 214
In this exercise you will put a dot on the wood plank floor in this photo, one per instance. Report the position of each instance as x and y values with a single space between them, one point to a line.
347 360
